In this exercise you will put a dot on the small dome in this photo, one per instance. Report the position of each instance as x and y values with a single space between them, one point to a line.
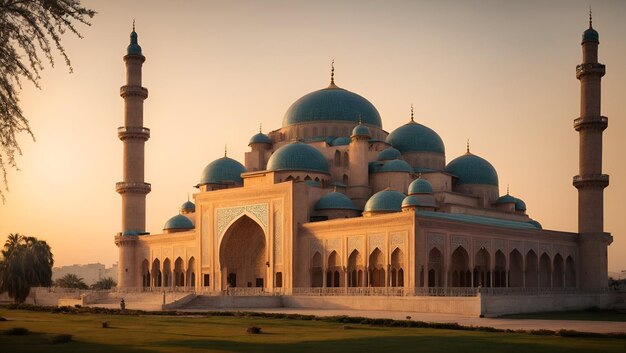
388 200
535 223
414 201
133 47
420 186
591 35
340 141
506 199
520 205
332 104
335 201
221 171
178 222
396 165
260 138
414 137
361 130
472 169
297 156
389 154
188 206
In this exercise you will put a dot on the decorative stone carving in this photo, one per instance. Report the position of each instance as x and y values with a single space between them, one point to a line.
354 243
377 241
333 245
459 240
206 241
316 245
545 248
278 237
226 215
436 241
516 245
482 243
531 246
498 244
397 241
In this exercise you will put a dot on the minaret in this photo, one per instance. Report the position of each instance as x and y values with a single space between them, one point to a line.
133 188
590 181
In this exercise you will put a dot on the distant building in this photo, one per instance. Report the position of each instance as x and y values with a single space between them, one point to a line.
90 273
332 203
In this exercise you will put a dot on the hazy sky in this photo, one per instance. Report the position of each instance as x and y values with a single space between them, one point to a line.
501 73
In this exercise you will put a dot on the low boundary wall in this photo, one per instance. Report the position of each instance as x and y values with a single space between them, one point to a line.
496 305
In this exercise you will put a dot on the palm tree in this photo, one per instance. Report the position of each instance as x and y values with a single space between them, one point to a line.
71 280
26 262
105 283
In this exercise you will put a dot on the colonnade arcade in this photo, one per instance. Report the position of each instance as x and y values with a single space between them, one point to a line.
180 274
514 270
375 270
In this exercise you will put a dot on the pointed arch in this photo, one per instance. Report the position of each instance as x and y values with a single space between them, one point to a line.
145 273
191 272
167 272
482 269
558 274
344 179
355 269
337 158
156 273
377 268
317 272
346 160
459 268
397 268
333 273
243 254
435 268
532 269
516 269
499 272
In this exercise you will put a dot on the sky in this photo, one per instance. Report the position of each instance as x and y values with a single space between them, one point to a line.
499 73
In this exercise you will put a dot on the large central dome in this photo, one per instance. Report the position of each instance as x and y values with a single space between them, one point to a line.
332 104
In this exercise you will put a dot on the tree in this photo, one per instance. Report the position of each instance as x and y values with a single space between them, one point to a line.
29 29
105 283
26 262
71 280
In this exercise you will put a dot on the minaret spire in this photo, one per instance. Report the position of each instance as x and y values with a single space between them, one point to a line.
590 180
332 75
133 24
590 18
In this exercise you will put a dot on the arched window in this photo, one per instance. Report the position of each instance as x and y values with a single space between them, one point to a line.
337 159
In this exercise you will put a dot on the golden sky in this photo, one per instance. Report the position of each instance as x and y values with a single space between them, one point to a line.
501 73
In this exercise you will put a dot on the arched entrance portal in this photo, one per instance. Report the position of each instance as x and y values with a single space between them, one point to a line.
243 255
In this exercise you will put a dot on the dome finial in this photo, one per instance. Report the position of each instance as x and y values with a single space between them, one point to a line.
332 72
412 118
507 189
590 19
468 151
260 127
133 24
187 197
225 150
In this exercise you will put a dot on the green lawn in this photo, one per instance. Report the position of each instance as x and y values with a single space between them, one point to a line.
151 333
587 315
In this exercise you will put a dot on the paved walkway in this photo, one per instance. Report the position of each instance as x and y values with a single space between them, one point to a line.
501 323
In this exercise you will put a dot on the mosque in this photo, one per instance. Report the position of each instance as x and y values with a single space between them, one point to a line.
332 203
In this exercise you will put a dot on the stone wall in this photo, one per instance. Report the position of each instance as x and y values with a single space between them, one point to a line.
515 304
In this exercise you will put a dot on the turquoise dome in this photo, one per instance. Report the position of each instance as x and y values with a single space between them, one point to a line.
591 35
133 47
535 223
340 141
361 130
335 201
396 165
420 186
178 222
506 199
389 154
260 138
222 170
188 206
414 201
520 205
332 104
297 156
472 169
414 137
388 200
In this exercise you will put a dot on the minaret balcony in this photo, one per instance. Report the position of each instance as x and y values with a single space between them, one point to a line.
597 123
133 132
590 69
591 181
133 90
124 187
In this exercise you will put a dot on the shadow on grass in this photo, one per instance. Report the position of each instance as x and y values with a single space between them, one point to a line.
584 315
41 342
399 344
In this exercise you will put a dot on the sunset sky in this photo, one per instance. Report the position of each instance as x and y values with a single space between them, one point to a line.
500 73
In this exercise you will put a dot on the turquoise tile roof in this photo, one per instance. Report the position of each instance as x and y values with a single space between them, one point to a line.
335 201
222 170
297 156
388 200
487 221
472 169
178 222
414 137
420 186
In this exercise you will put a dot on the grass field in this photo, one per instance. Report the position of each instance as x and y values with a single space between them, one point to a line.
150 333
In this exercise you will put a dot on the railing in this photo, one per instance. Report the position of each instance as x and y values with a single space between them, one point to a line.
540 291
